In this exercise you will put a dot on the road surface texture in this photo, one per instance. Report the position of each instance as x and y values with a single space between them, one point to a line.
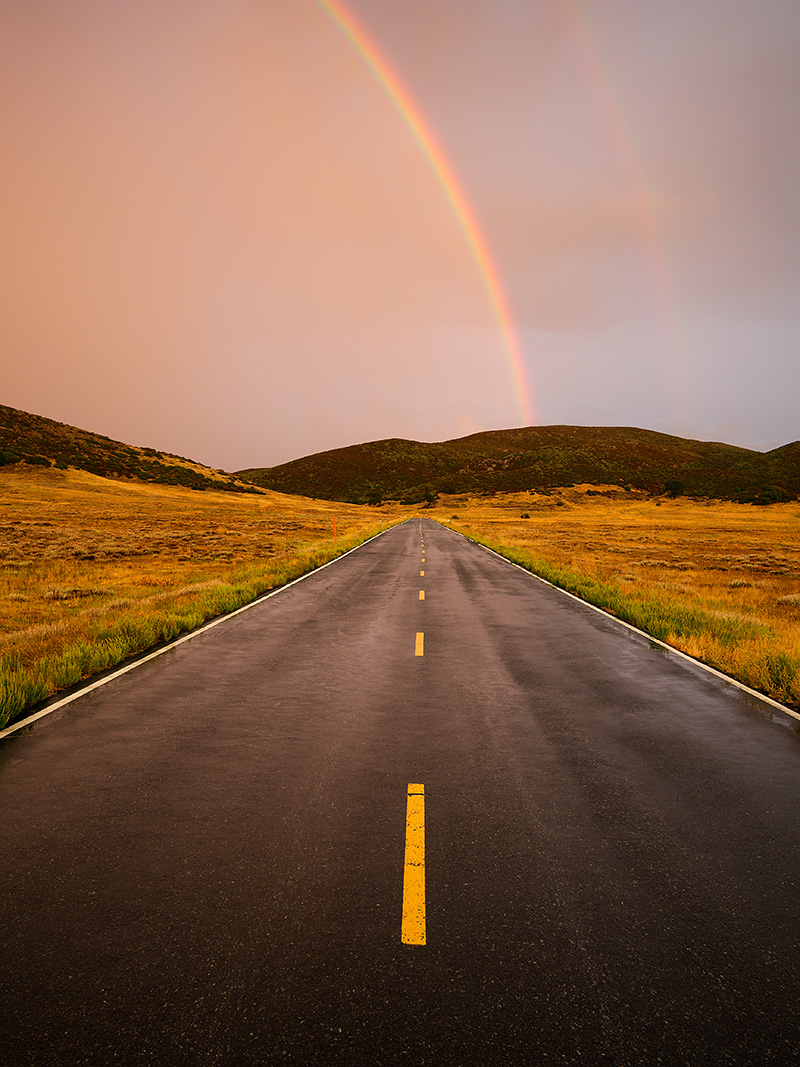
203 860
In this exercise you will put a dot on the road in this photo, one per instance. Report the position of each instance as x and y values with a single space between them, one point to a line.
203 861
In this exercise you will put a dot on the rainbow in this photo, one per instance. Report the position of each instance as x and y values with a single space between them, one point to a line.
439 164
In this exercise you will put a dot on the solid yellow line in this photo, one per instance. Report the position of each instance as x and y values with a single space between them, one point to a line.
418 646
412 931
422 594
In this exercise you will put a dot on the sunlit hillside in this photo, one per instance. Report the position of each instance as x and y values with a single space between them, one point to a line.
37 441
94 569
717 580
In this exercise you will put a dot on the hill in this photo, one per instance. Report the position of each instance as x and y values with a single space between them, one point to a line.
32 439
538 458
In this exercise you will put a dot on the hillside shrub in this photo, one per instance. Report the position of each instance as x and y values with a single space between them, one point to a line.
771 494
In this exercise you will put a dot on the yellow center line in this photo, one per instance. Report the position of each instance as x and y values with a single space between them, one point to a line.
422 594
412 931
422 574
418 646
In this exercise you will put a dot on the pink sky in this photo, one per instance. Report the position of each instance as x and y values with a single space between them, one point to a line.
220 238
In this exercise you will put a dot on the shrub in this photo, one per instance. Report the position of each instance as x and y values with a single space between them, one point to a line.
771 494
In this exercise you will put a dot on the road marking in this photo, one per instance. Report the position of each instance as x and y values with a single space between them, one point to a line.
412 931
418 647
423 559
422 594
422 574
758 698
30 719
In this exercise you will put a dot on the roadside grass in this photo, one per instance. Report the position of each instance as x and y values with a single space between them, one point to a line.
94 571
717 580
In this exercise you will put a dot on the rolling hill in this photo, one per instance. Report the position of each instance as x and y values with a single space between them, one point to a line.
26 438
538 458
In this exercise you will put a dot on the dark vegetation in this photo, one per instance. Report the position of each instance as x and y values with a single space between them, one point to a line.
538 458
534 458
37 441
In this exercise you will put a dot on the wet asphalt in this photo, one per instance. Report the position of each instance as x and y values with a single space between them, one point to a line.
202 861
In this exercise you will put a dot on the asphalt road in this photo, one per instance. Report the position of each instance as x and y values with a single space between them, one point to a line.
202 861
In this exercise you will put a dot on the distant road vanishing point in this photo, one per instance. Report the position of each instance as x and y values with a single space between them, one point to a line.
419 808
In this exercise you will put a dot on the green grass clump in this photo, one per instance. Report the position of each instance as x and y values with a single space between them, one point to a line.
92 645
658 617
742 648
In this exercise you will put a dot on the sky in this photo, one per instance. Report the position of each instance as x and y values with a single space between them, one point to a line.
245 231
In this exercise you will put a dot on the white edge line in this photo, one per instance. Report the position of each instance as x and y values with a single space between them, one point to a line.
642 633
186 637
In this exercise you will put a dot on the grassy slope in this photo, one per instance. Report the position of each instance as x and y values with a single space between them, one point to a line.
535 457
93 570
37 441
717 580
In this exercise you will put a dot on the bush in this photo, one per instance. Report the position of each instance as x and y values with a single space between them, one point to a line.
771 494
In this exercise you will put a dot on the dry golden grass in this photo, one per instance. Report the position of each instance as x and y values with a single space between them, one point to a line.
92 570
717 580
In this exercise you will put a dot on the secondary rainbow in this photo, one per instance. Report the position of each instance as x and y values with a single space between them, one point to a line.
599 83
440 165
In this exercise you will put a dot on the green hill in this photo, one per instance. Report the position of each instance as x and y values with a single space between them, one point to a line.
538 458
530 458
32 439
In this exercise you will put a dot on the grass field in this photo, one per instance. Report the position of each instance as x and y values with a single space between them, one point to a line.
717 580
94 570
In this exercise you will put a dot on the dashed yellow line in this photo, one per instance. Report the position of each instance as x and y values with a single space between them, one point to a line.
422 594
419 645
413 927
422 574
